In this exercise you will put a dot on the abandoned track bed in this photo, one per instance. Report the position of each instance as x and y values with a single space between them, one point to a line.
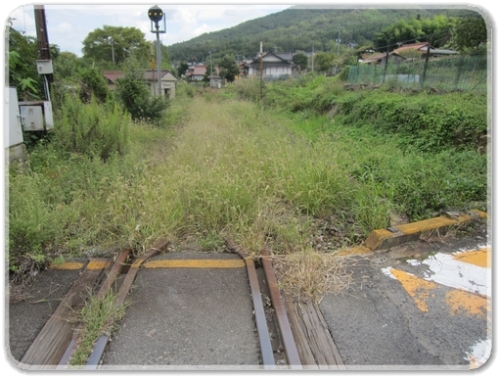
183 309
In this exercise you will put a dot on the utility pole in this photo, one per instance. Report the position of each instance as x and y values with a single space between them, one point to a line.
41 33
44 64
312 60
210 68
338 45
113 50
261 73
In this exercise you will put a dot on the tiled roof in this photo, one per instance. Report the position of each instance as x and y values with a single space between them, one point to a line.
199 70
372 57
152 74
113 75
413 46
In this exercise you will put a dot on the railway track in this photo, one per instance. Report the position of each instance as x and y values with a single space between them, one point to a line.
252 313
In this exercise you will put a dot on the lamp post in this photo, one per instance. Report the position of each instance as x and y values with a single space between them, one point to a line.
156 15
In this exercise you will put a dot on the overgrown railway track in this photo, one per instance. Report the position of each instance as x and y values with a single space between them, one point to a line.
59 339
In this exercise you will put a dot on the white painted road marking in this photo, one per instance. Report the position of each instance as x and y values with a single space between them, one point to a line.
468 273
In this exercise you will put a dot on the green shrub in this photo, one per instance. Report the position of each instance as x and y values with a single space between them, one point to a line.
91 129
248 88
134 94
93 85
425 121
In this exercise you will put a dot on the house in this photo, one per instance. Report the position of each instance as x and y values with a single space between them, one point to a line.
189 73
214 79
167 82
420 50
150 77
273 65
242 66
198 72
380 58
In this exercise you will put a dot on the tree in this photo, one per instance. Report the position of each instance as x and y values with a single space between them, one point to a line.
67 65
300 59
323 61
23 74
469 33
181 70
115 43
409 31
134 94
228 69
93 85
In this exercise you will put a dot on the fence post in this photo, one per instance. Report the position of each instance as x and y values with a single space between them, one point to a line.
385 67
459 71
426 63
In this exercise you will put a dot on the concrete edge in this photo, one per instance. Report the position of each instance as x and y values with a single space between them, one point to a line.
393 236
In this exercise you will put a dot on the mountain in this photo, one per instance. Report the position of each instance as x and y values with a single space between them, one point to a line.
301 28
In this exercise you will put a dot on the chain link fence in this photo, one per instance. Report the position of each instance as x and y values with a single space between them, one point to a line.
469 73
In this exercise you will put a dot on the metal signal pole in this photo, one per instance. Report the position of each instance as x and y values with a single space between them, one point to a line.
156 15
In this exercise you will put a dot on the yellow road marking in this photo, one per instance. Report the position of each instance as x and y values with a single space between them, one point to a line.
97 265
67 266
480 257
357 250
195 264
418 288
460 300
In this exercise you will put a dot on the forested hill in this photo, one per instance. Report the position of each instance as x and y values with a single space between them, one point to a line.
297 28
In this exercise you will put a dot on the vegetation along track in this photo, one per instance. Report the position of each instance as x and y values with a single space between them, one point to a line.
61 345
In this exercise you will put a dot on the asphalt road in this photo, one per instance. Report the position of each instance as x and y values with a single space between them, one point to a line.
418 306
198 316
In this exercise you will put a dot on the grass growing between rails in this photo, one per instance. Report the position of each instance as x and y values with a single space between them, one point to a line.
99 317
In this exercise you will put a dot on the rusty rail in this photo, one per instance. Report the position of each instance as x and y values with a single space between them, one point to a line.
102 341
291 351
115 270
266 348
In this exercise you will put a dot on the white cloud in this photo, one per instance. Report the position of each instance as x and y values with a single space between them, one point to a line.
201 29
63 27
68 25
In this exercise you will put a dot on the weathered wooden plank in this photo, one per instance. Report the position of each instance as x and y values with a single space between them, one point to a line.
316 347
50 344
106 287
300 334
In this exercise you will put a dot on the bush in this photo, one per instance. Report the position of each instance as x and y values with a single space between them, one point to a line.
93 85
134 94
427 122
91 129
248 88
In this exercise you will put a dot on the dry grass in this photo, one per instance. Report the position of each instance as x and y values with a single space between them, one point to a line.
310 274
440 236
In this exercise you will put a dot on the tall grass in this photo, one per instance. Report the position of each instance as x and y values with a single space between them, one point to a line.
233 170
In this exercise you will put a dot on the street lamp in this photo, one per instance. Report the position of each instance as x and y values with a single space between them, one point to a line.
156 15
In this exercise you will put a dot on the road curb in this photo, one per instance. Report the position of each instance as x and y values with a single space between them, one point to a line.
386 238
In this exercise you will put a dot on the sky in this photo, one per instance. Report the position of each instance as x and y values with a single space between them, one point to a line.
68 25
